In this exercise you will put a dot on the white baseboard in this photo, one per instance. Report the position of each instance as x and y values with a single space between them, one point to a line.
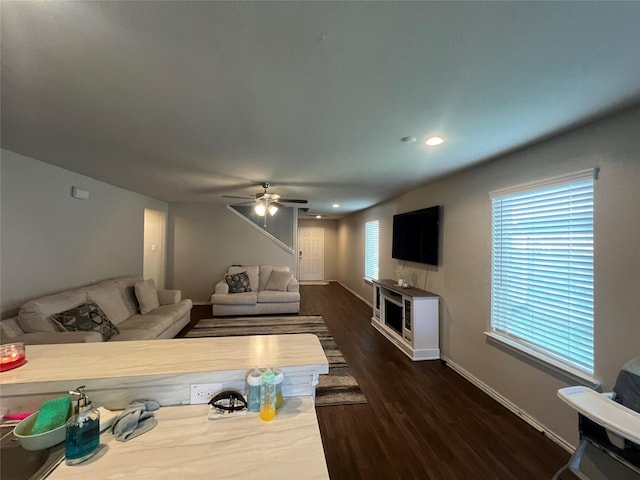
512 407
201 303
368 302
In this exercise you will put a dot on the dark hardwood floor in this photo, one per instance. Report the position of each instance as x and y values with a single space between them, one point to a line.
423 420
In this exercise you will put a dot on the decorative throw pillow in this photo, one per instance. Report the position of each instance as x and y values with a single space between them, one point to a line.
238 282
147 296
87 317
279 281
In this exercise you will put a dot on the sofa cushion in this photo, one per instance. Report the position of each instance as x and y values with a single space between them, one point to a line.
134 334
266 271
126 285
245 298
279 281
57 338
147 296
155 322
267 296
176 310
252 271
238 282
35 316
87 317
111 298
165 316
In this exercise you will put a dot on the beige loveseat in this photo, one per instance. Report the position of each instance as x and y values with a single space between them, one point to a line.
273 289
165 314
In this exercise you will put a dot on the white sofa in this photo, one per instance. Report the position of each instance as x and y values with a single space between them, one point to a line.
116 298
260 300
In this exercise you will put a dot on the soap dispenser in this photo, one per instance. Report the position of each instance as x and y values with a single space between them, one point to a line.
83 430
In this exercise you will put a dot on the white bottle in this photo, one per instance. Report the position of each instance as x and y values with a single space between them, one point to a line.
254 380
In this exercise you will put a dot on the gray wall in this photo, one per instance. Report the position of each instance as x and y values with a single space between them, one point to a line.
331 270
462 278
204 239
51 241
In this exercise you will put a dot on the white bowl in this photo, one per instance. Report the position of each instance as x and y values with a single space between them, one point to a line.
40 441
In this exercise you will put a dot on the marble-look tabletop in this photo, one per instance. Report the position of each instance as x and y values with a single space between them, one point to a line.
186 445
52 363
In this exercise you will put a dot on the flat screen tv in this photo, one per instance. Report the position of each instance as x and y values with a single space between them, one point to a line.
416 236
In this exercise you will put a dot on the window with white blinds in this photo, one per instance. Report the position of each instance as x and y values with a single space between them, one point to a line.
372 235
542 268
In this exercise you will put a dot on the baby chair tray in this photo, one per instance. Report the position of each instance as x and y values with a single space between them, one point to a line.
610 436
601 409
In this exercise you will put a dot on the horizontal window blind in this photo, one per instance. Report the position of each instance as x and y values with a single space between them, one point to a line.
542 268
372 235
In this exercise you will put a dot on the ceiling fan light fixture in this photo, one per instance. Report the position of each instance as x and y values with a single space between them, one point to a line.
260 209
272 210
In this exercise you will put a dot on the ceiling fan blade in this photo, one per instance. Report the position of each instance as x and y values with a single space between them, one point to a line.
234 196
292 200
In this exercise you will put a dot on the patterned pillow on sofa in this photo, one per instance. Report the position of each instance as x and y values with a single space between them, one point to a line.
238 282
87 317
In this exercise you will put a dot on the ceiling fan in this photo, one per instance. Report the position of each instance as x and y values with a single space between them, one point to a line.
266 201
267 197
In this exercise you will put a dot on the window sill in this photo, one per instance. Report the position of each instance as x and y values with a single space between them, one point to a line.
367 280
546 360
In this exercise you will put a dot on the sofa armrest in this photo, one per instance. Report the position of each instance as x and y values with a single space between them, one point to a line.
222 287
169 297
293 286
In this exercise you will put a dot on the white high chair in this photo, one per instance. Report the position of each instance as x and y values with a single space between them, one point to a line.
609 431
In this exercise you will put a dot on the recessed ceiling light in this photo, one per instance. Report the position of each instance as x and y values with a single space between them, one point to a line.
336 205
433 141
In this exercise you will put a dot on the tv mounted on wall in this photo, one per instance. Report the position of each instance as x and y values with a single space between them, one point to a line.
416 236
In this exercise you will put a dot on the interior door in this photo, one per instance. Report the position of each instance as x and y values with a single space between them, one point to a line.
310 253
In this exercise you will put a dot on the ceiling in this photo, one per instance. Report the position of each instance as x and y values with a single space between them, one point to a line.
189 101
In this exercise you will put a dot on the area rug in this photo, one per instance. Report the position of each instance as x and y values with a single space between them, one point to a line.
339 387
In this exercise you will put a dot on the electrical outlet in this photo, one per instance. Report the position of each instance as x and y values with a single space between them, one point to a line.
202 392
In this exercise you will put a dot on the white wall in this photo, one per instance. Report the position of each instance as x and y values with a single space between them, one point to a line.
51 241
462 278
204 239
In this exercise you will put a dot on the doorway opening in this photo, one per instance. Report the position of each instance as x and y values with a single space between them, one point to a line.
155 232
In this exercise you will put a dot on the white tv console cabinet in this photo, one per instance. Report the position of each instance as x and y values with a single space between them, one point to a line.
408 317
